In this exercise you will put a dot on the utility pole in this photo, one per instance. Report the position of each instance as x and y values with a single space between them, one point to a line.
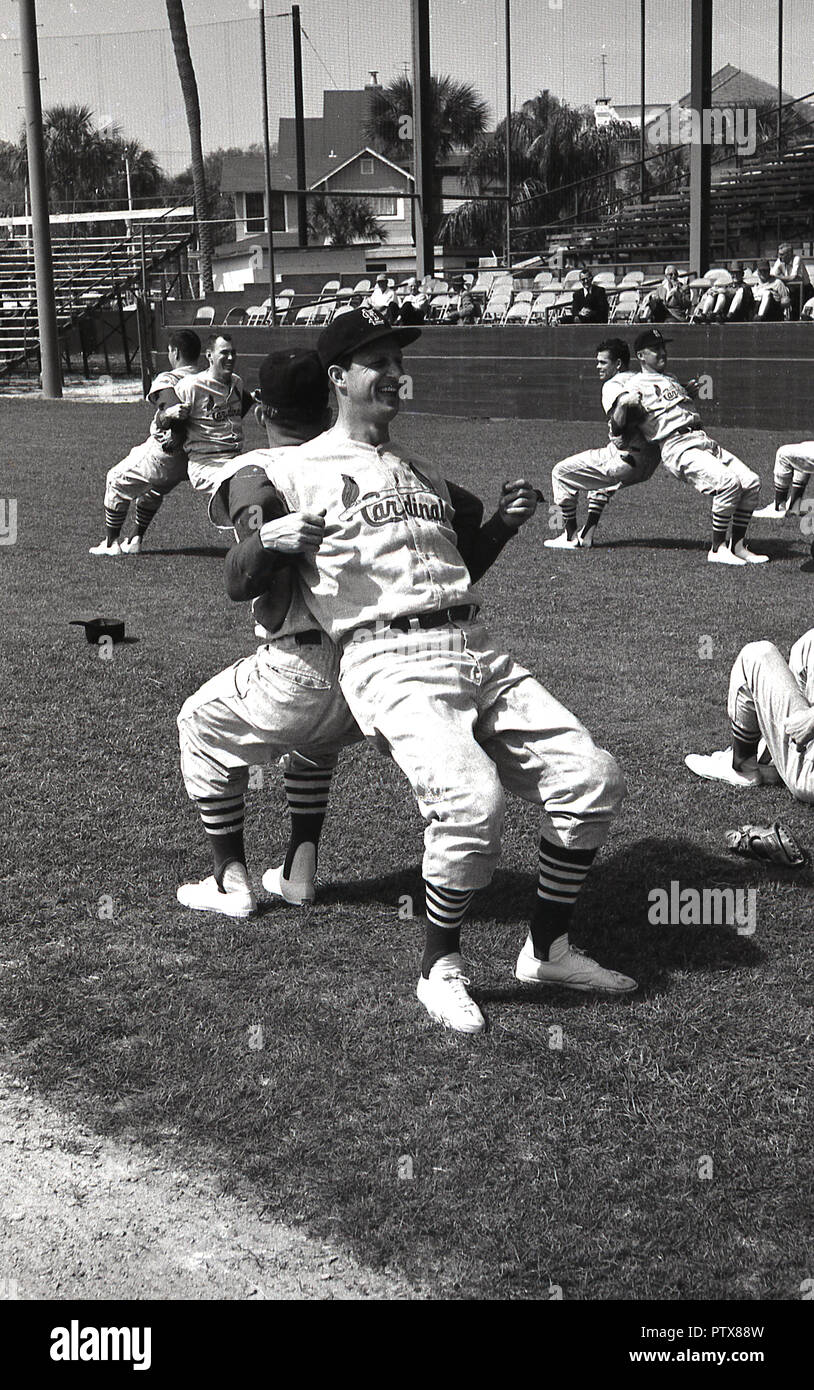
779 78
299 128
700 151
267 160
38 185
642 55
508 40
422 165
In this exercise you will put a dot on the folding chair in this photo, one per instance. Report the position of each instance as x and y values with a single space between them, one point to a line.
625 307
519 312
544 301
255 315
206 314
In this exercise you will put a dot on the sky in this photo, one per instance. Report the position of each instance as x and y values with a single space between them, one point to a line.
117 58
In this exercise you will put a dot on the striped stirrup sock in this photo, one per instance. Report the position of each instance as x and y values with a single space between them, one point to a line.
560 875
146 507
446 909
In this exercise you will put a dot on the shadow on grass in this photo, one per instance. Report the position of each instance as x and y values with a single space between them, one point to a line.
206 552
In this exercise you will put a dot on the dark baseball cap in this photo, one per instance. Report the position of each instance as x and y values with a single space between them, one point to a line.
356 329
293 386
651 338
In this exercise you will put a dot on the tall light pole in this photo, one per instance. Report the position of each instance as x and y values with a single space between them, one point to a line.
508 33
38 185
642 52
779 77
299 127
267 159
422 169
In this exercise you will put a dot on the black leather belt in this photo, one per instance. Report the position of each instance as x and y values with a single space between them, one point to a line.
311 638
464 613
684 429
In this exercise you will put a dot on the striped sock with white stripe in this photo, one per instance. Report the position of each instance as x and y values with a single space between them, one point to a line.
561 874
115 517
745 738
569 516
222 818
446 909
146 507
740 522
721 517
307 793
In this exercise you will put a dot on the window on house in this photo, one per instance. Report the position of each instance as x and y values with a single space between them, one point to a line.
256 212
385 206
367 166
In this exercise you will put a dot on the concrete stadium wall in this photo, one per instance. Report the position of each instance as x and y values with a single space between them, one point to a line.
759 375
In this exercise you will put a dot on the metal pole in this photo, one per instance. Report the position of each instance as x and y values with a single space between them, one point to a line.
508 30
267 156
642 55
299 128
422 170
38 184
700 151
779 77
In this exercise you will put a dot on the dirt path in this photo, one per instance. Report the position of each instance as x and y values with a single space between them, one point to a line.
87 1217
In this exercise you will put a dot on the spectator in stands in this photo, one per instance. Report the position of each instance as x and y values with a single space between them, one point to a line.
589 304
771 295
733 303
413 308
383 298
668 301
791 269
464 310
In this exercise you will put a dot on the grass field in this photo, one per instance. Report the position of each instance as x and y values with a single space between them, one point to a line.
583 1167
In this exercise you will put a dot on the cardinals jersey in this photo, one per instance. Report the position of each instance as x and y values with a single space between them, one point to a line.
390 548
646 456
171 438
215 422
666 404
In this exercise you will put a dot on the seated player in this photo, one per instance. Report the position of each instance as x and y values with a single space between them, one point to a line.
154 468
771 296
216 403
769 699
733 303
625 460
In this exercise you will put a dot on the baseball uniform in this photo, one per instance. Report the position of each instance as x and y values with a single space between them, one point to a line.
765 691
214 425
622 462
159 462
420 672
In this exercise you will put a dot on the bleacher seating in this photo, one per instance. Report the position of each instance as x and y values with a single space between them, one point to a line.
89 272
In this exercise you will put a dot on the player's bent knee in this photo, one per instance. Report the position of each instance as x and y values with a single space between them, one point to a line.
611 788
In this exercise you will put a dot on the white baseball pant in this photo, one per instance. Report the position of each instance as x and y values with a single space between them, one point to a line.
599 472
463 721
765 691
146 467
205 471
283 697
793 463
697 459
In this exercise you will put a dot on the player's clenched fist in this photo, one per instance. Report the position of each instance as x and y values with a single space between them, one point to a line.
800 728
298 533
518 502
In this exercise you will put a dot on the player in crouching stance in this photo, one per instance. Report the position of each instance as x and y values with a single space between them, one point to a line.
793 466
154 468
666 416
286 696
460 718
772 699
625 460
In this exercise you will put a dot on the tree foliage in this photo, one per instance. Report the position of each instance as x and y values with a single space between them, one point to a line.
343 221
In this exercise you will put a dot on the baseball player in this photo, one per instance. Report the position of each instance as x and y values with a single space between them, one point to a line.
154 468
421 676
666 416
286 696
793 466
216 403
625 460
772 699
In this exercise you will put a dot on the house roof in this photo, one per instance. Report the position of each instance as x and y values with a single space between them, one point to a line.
366 152
331 141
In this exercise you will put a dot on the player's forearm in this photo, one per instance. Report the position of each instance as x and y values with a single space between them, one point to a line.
486 544
251 569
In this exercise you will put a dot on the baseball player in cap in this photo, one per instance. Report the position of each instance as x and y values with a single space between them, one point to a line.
151 470
284 702
793 466
216 403
422 677
625 460
666 416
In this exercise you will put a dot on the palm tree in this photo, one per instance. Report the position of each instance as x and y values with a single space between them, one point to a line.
458 120
86 164
189 88
343 221
560 160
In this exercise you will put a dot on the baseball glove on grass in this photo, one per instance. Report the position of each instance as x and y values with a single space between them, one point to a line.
770 842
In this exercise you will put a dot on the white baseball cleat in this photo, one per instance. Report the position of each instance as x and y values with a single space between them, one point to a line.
113 550
131 547
562 543
752 557
445 998
279 887
724 556
718 767
570 968
586 539
771 513
206 896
